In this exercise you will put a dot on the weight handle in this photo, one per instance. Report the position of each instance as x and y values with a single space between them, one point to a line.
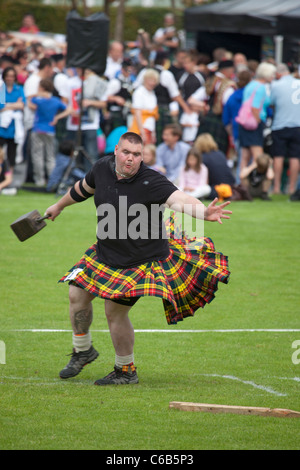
40 219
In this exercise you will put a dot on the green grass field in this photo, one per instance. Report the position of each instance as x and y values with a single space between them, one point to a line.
219 358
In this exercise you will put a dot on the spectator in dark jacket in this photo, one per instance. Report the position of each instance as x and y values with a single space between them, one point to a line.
215 161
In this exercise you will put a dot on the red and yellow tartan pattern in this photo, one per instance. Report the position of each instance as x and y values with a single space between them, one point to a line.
185 281
129 367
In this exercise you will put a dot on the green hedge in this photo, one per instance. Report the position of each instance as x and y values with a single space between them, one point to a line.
52 18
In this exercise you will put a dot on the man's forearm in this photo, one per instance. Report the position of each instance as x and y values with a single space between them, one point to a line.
54 210
182 202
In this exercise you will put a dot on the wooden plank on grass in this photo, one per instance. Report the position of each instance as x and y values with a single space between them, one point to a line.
240 410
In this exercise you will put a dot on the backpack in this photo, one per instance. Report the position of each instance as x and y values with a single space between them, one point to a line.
245 116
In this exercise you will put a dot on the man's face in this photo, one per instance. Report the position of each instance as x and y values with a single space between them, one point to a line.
189 65
127 71
169 138
128 158
180 58
228 72
116 51
48 71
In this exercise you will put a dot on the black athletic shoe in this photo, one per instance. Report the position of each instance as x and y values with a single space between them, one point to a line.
265 197
124 376
295 196
77 362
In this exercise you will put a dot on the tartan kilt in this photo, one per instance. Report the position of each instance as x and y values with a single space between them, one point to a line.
185 281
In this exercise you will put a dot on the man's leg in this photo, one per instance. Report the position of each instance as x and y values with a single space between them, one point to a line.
49 144
294 168
278 168
81 316
120 327
245 158
122 336
81 310
37 157
256 151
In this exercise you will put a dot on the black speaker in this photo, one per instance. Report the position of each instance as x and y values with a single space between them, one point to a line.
87 41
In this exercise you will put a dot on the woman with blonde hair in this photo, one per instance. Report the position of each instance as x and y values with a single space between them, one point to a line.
206 143
144 107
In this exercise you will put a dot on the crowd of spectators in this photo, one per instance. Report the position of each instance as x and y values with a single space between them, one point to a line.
183 103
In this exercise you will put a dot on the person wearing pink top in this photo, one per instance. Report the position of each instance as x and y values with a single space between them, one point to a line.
193 178
29 25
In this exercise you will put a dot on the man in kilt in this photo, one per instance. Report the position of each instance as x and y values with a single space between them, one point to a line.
133 257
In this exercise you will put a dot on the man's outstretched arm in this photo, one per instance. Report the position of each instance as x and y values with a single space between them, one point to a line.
78 193
182 202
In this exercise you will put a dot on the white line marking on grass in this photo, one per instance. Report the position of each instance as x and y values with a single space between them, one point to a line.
295 379
248 382
243 330
57 381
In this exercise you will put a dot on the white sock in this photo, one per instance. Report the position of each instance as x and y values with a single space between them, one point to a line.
121 361
82 342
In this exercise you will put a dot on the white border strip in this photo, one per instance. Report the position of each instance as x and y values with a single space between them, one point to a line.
250 330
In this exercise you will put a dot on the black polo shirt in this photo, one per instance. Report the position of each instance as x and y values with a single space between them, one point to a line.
130 226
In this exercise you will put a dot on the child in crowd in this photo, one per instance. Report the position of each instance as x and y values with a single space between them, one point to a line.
46 107
258 177
193 178
190 124
150 158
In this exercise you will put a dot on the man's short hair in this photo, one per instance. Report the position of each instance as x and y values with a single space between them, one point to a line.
282 69
132 137
44 62
175 129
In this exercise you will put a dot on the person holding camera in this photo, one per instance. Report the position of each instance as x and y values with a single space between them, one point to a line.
166 37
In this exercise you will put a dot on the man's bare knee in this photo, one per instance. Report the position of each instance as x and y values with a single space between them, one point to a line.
113 310
79 296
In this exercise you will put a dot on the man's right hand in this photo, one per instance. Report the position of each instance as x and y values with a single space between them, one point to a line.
53 211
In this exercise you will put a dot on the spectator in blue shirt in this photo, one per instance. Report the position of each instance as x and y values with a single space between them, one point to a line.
230 112
11 114
286 127
48 110
252 141
171 154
